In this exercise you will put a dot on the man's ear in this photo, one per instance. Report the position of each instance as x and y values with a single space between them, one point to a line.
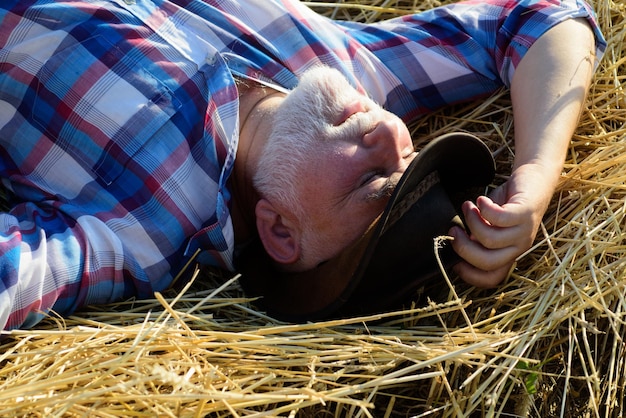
280 239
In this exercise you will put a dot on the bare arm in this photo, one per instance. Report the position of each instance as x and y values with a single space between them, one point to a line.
548 90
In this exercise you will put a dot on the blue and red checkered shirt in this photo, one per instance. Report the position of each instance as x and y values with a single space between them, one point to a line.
119 121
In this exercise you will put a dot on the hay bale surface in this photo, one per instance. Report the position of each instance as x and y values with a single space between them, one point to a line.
549 342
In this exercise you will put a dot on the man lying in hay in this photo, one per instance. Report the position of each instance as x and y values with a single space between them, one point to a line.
260 136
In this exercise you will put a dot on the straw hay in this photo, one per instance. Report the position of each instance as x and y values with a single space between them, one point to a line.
549 342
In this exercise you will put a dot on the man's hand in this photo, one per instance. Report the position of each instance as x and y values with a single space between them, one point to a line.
503 226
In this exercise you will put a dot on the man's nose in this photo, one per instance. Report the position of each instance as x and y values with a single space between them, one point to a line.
387 139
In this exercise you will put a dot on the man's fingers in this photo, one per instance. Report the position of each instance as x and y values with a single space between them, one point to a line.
481 267
480 256
490 236
506 215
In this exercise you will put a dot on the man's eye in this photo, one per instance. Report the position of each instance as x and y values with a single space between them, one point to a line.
370 177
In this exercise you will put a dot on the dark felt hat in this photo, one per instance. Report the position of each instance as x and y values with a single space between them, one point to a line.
396 255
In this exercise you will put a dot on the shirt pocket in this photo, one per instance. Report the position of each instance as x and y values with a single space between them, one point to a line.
101 105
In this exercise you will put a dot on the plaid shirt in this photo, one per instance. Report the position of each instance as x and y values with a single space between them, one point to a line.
119 121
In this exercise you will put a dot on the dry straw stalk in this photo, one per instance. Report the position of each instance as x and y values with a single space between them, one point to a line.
549 342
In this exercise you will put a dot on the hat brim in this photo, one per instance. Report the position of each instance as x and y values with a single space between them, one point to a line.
392 258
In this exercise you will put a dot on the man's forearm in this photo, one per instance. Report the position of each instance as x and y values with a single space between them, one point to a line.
548 91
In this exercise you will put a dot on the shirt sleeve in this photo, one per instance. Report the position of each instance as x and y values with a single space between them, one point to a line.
48 263
463 51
